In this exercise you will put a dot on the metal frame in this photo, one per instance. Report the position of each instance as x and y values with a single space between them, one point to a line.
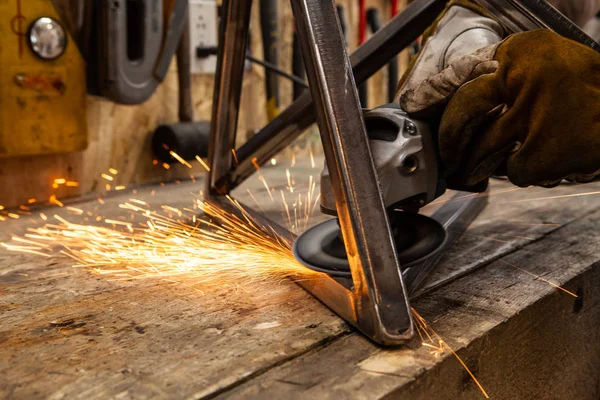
375 300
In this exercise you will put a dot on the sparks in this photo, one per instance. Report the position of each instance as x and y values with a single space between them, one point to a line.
473 195
113 171
77 211
179 158
434 342
312 158
201 161
72 184
255 163
54 200
107 177
553 197
221 248
540 278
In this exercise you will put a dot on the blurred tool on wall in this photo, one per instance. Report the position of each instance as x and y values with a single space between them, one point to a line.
363 90
393 65
269 31
43 105
298 65
188 138
373 17
134 46
592 28
61 50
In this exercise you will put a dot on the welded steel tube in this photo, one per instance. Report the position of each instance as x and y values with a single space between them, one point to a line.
234 34
381 306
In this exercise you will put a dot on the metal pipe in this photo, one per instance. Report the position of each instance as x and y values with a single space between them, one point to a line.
234 35
297 66
269 31
523 15
184 78
381 307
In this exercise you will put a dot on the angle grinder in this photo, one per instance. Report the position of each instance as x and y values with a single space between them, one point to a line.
404 154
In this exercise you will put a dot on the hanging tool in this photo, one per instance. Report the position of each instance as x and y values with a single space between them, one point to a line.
269 31
374 24
188 138
134 47
393 72
363 90
297 65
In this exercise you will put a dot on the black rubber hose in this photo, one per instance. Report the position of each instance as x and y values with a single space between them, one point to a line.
187 139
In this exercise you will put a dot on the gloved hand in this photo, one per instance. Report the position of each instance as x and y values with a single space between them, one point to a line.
527 107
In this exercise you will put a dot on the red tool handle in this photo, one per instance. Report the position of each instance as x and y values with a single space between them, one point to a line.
394 5
362 27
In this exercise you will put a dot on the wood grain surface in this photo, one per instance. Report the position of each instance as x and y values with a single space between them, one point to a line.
68 333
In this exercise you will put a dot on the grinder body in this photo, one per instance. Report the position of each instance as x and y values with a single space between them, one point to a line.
406 161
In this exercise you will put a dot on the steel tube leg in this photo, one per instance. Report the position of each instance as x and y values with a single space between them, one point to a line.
234 34
380 301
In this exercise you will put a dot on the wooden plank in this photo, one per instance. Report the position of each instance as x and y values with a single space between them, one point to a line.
513 218
523 338
68 334
192 345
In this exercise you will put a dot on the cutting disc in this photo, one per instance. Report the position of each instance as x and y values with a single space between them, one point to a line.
416 236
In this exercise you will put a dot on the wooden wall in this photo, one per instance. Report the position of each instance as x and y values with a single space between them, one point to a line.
119 136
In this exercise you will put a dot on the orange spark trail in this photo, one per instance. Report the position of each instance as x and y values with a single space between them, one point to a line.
201 161
540 278
218 249
472 195
441 346
553 197
179 158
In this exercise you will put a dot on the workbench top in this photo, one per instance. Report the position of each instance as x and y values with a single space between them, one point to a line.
68 333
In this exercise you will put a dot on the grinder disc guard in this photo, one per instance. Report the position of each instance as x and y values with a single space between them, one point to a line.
416 236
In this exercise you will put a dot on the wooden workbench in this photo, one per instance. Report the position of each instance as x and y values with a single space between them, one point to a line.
66 333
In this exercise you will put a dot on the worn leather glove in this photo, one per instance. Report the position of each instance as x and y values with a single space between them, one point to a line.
527 107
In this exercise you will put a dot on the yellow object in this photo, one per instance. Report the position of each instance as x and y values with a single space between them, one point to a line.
272 109
43 104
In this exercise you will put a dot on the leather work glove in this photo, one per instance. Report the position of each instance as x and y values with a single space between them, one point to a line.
527 107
